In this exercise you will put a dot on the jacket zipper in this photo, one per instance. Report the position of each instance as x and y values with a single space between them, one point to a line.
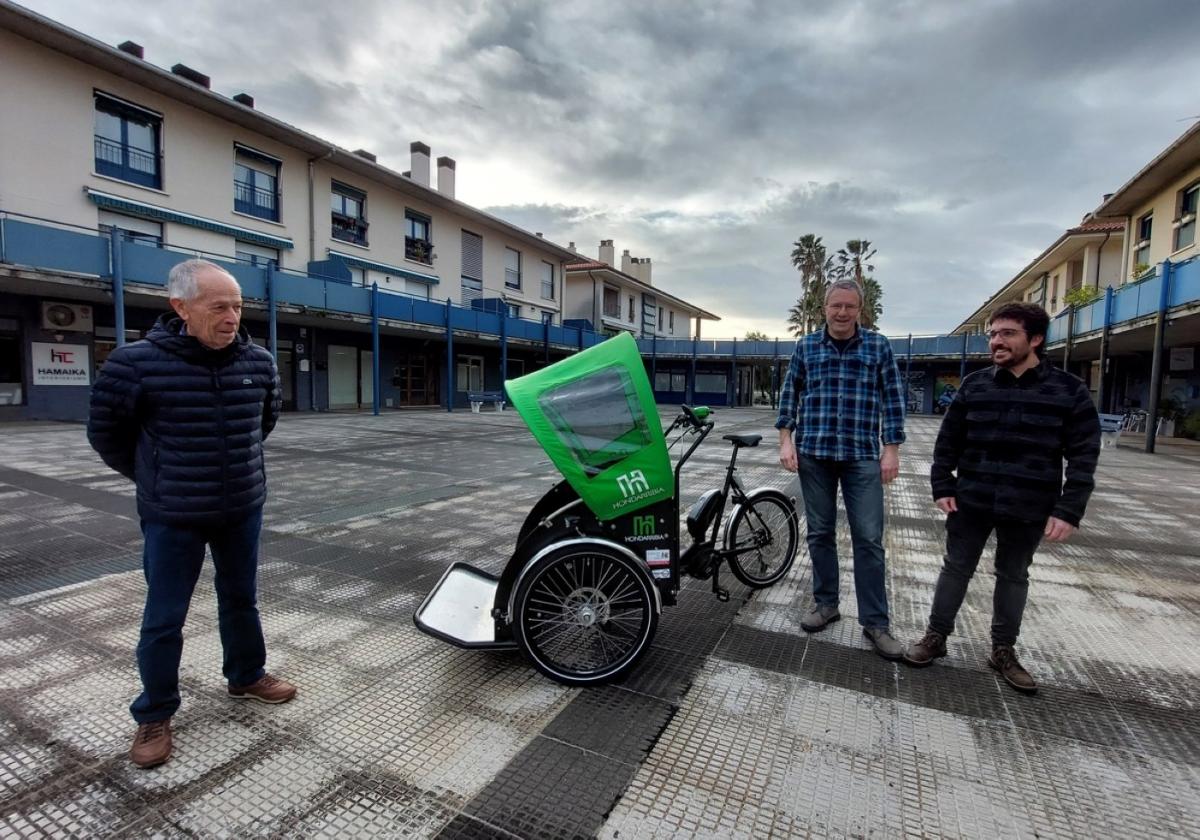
224 443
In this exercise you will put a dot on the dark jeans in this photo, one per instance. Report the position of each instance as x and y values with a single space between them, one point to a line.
171 560
966 533
862 491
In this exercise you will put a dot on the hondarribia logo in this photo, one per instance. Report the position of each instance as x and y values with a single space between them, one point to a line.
634 488
644 530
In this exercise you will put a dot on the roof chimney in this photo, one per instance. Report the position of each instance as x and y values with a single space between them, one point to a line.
571 247
607 251
1107 196
627 263
363 153
134 49
446 176
643 270
245 99
194 76
420 162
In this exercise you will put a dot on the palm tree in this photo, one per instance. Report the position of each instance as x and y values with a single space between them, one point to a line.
872 309
811 260
854 258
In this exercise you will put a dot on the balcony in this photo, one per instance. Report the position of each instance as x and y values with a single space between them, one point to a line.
418 250
349 229
255 201
127 163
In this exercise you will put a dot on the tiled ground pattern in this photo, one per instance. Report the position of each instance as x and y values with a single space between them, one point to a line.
736 724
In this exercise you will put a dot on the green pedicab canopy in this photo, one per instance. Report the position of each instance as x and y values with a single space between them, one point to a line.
594 415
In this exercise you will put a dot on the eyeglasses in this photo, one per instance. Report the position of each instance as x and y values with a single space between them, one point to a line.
1005 334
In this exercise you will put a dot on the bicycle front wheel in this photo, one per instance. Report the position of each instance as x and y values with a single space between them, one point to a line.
762 538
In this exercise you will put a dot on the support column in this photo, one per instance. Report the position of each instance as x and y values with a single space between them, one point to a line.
653 359
691 389
450 359
908 367
272 314
374 347
731 391
1102 389
1156 367
503 348
1066 363
962 364
118 285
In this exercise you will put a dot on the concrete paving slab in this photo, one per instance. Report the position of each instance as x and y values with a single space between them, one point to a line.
736 724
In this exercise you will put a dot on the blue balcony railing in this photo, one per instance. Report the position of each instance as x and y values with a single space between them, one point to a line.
255 201
128 163
40 243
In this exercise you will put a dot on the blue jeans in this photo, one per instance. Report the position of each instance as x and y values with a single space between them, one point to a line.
862 491
171 561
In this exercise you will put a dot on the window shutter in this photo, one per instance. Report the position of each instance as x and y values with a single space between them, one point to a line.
472 255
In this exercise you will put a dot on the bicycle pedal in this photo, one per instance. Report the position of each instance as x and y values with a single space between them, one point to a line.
722 594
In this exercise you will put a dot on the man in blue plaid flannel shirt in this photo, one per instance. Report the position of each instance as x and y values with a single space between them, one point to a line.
841 397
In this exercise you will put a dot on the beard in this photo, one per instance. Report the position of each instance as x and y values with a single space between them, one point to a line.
1012 359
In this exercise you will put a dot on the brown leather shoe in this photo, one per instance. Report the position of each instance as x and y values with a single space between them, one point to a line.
931 646
1004 660
151 744
267 690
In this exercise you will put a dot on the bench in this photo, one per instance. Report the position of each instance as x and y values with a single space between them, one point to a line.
1110 429
478 398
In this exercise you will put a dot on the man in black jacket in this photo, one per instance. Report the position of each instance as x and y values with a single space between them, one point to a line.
183 413
998 466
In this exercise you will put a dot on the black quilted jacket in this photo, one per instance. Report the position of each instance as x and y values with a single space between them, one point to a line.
187 424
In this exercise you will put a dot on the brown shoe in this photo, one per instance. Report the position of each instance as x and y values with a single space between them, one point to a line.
1004 660
151 744
930 647
267 690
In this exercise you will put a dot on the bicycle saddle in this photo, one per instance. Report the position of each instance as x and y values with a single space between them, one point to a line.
743 440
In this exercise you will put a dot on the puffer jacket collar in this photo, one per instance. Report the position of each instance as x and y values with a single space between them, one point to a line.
168 334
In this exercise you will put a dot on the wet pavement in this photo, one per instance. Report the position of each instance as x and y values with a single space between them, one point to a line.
736 724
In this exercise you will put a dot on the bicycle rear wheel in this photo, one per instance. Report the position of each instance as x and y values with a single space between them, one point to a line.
762 538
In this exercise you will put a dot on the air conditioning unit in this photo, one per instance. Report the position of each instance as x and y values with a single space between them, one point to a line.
67 317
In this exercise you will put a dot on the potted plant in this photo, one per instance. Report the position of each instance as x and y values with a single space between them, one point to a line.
1169 411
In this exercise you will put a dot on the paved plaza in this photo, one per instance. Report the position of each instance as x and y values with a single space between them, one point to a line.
737 723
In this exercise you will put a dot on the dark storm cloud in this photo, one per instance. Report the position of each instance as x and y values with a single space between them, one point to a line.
961 138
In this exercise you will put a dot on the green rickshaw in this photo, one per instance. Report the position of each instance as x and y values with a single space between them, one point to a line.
599 555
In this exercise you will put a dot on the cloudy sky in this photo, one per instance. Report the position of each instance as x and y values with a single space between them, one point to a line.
961 138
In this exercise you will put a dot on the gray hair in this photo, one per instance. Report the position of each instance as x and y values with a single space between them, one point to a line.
847 284
182 283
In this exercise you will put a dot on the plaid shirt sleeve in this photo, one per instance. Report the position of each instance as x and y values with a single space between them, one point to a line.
793 383
891 393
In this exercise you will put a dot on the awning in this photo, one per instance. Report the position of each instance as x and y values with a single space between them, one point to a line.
162 214
394 270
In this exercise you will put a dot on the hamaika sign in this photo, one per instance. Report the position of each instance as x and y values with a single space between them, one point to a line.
60 364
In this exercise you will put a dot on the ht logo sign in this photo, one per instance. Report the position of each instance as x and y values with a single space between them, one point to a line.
643 526
632 483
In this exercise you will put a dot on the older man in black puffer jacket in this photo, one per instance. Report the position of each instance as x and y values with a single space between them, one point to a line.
183 413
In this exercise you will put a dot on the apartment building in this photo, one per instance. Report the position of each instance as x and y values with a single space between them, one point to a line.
613 300
154 166
1137 343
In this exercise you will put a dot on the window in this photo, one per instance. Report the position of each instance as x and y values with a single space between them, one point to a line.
469 374
358 276
658 324
514 310
612 303
512 268
418 242
1141 252
599 418
133 229
1185 230
547 317
349 217
547 281
127 141
258 256
671 323
255 184
711 383
630 318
